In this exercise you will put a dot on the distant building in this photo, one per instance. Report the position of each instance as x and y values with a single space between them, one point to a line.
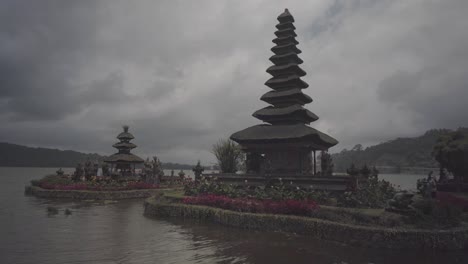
123 160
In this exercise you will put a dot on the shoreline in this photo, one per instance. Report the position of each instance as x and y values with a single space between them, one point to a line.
90 195
353 235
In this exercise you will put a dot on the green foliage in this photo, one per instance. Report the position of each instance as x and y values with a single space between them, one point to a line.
228 154
211 186
371 193
431 213
400 152
12 155
451 151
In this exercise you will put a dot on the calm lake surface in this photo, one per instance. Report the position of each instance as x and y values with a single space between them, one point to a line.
119 233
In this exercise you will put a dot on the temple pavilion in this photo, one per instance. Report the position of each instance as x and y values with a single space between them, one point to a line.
285 143
123 160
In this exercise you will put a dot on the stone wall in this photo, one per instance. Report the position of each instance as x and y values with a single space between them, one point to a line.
323 229
89 195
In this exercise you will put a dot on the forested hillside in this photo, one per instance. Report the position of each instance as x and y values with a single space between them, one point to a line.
12 155
400 152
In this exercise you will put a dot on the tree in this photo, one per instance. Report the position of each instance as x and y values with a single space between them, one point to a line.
451 151
228 154
357 147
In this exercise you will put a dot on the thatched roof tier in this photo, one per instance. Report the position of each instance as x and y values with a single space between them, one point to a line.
125 135
291 81
286 97
285 17
290 68
286 48
289 114
124 145
286 25
286 58
284 134
123 158
285 33
284 40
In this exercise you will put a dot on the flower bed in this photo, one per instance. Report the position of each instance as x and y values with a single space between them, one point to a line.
90 195
64 183
289 207
99 186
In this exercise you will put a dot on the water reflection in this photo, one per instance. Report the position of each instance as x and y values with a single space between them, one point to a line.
247 246
119 233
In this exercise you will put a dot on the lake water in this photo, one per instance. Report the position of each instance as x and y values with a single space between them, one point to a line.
119 233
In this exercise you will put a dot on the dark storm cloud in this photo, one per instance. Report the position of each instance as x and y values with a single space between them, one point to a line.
184 75
41 48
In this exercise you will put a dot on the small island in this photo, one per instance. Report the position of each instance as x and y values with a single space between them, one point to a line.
114 182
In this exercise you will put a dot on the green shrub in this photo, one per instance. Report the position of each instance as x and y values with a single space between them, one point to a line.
229 155
372 193
431 213
276 192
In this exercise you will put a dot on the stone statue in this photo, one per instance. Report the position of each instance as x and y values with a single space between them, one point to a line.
79 172
326 164
95 168
198 170
88 170
353 172
157 170
105 170
147 174
431 184
181 174
60 172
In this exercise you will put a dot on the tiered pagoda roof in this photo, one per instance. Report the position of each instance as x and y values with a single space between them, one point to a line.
124 146
286 116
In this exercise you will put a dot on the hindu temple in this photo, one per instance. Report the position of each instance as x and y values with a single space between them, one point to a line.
284 143
124 161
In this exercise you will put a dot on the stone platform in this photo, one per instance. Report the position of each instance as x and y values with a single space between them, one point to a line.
354 235
333 183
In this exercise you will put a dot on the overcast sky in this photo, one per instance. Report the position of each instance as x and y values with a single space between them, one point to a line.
183 74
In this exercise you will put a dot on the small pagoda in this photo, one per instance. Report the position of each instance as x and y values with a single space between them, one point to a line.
123 160
285 143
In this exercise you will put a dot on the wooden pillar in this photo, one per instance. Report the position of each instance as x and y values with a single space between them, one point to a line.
315 164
